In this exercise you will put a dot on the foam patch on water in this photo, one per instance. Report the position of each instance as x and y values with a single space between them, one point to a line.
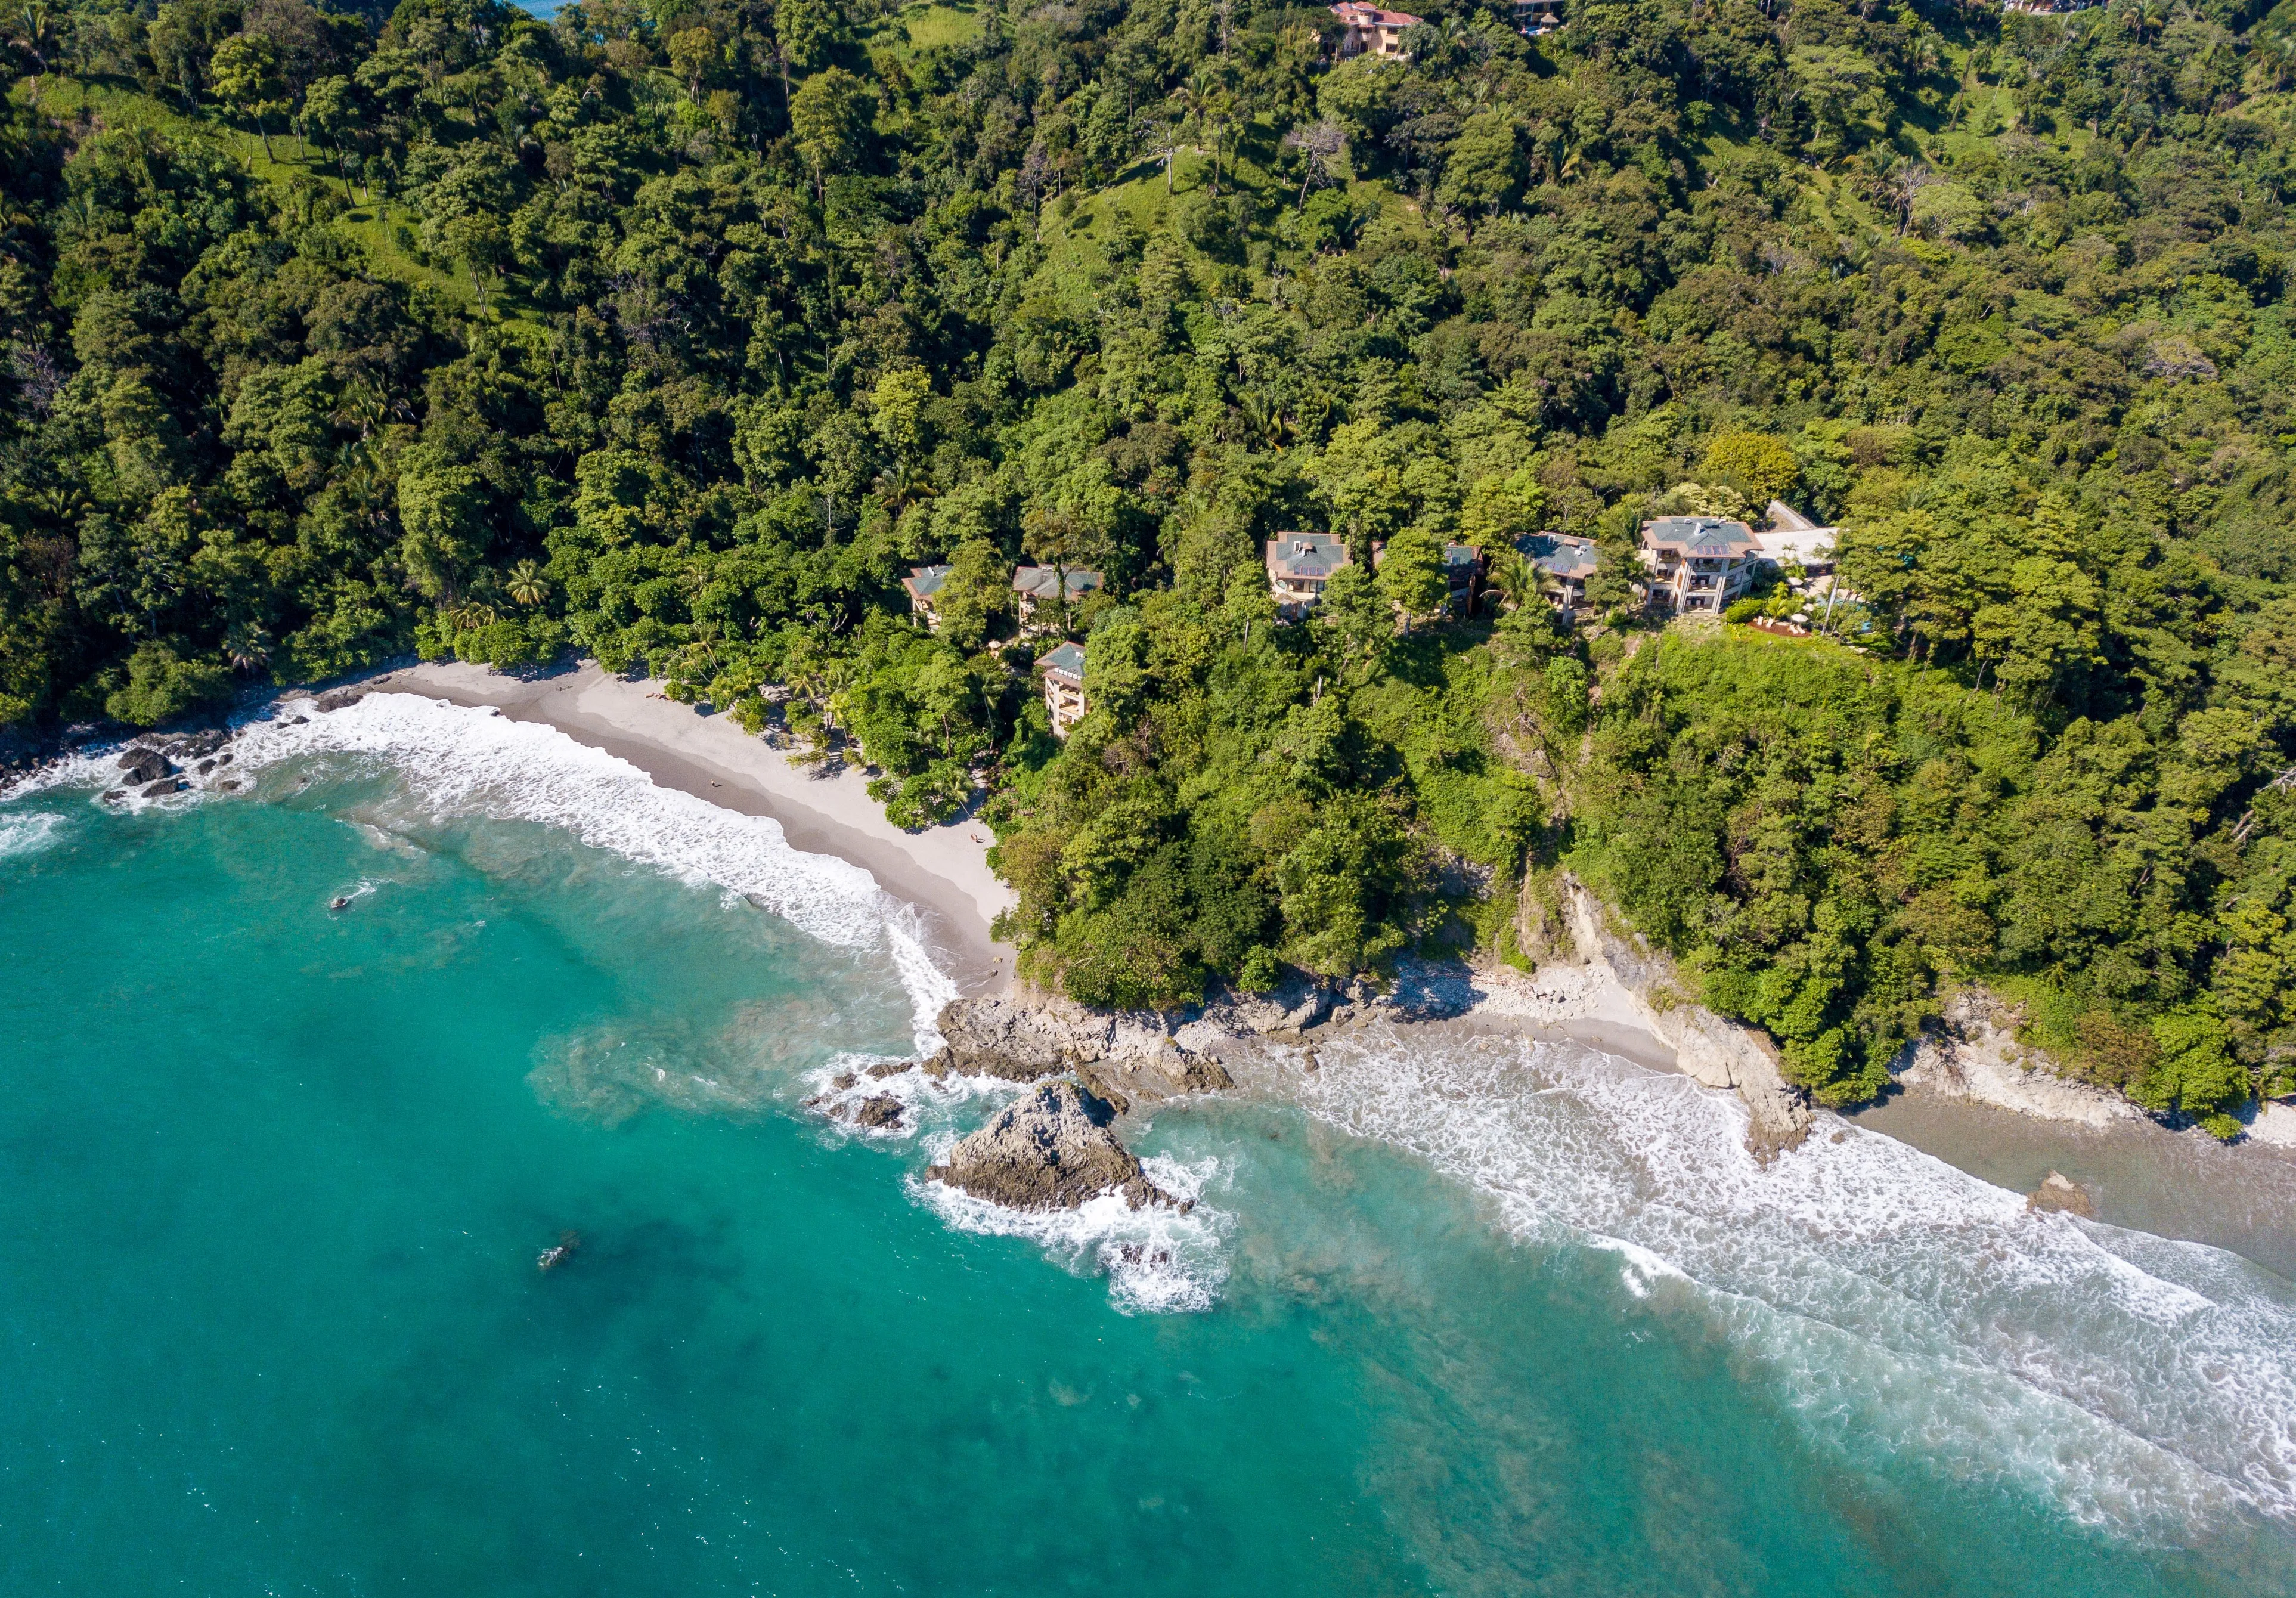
1158 1261
932 1107
1903 1308
29 833
459 762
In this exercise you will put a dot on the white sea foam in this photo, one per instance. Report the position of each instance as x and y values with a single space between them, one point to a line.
29 833
459 762
1157 1260
932 1107
1902 1308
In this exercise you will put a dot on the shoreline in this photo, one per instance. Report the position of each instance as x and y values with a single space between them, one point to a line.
2139 1175
942 871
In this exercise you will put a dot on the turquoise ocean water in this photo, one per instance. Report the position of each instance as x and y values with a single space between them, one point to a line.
1467 1319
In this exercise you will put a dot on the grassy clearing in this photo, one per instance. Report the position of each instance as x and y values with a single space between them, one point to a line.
927 27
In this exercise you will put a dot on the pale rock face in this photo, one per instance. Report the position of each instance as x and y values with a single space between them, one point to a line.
1975 1055
2274 1124
1709 1048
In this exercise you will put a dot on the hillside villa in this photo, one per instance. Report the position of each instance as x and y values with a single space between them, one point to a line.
923 584
1063 670
1036 586
1696 563
1299 565
1371 31
1565 565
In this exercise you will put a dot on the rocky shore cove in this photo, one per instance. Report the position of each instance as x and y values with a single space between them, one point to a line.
1056 1148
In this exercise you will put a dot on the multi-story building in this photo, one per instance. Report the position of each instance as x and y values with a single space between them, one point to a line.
1371 31
1565 565
1063 670
1463 570
1299 565
1693 563
923 584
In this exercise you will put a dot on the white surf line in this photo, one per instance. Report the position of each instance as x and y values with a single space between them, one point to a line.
1904 1307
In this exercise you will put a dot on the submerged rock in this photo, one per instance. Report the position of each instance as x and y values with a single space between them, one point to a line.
1050 1150
2059 1191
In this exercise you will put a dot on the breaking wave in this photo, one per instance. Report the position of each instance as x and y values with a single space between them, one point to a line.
1901 1307
29 833
1158 1261
459 763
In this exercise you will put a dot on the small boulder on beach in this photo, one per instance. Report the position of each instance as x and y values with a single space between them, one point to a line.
2059 1191
1050 1148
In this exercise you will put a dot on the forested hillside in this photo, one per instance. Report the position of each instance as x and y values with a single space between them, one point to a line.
674 335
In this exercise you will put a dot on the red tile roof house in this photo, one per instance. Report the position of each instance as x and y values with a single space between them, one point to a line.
1697 563
1039 584
1063 670
1299 565
1371 31
923 584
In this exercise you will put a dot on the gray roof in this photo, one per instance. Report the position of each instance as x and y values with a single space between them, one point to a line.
1461 554
924 581
1706 537
1559 554
1042 582
1305 555
1068 659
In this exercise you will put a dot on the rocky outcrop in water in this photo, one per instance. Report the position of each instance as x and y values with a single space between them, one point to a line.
877 1112
1051 1149
140 766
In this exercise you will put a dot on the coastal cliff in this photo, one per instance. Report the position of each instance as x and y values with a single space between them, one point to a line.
1707 1048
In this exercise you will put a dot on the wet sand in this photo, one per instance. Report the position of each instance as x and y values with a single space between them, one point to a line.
943 870
2182 1184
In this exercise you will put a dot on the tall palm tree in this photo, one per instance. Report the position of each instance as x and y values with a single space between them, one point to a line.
35 31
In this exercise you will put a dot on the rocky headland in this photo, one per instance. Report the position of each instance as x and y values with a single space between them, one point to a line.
1095 1061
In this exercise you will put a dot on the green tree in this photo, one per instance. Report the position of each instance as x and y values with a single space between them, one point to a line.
1760 465
831 116
245 72
1411 576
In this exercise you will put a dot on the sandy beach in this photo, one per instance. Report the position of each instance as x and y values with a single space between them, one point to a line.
2138 1173
824 810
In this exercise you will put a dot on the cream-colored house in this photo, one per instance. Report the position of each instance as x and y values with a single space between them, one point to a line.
1299 565
1063 670
1697 563
1371 31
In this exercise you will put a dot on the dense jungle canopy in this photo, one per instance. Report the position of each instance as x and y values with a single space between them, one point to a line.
674 334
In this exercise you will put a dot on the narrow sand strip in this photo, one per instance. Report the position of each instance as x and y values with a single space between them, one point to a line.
943 870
